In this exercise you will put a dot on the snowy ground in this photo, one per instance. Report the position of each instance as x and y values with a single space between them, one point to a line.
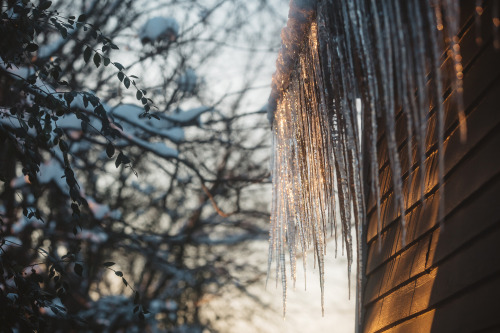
303 308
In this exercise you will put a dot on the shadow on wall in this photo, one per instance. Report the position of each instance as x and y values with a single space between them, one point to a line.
446 278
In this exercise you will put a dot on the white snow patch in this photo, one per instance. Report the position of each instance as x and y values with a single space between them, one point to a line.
164 128
69 122
190 117
53 171
50 171
157 148
158 28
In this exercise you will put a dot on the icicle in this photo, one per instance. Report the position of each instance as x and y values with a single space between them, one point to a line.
422 103
385 57
438 92
328 61
452 10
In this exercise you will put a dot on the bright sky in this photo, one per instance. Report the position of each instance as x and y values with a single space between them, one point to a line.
303 312
303 306
226 73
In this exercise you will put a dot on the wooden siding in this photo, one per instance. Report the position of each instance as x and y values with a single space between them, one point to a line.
443 279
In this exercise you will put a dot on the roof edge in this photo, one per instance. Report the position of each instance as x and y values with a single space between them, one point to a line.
300 15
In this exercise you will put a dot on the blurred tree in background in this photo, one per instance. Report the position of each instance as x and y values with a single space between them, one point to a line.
131 182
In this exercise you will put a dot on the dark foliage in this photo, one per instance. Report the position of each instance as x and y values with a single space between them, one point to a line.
85 183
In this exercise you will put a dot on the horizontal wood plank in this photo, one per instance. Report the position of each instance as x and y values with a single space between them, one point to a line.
450 278
425 253
486 66
474 311
481 121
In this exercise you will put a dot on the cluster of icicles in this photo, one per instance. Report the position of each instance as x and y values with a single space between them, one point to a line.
386 54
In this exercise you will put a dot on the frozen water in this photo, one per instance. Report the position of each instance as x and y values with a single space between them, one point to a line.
385 54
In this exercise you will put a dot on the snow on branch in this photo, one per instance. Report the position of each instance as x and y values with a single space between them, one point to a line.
158 28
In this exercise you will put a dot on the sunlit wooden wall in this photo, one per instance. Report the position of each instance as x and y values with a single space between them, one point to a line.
444 279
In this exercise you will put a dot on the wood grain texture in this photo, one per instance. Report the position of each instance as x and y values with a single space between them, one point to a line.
443 277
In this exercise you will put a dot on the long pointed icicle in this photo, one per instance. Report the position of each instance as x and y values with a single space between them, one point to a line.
386 54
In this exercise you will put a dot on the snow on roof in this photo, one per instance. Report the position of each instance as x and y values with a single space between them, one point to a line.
189 117
187 81
157 28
